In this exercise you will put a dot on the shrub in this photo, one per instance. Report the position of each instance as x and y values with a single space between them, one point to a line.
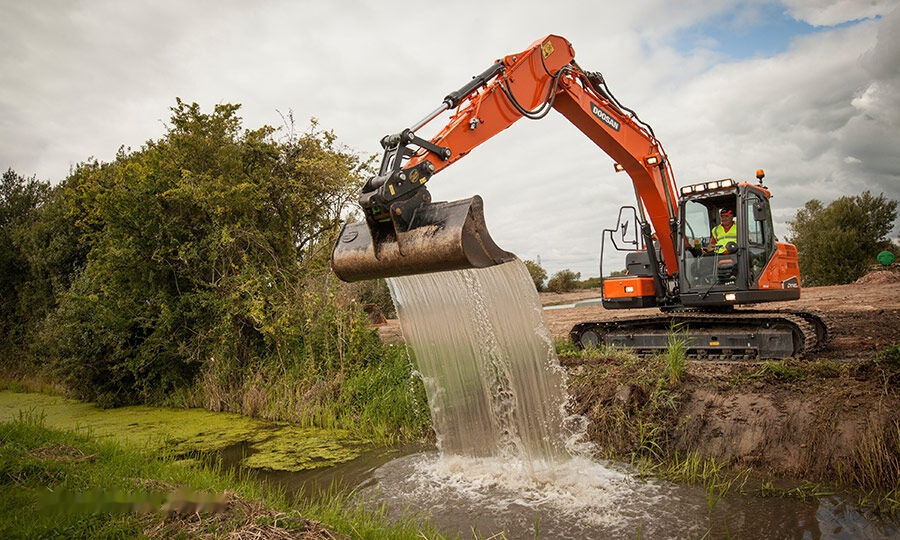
538 274
563 281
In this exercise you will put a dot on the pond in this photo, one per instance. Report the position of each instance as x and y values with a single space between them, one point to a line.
572 498
577 498
192 432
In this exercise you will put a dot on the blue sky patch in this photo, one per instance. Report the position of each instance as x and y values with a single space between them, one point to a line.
746 32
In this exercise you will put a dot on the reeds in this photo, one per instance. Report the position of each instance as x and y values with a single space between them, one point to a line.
381 400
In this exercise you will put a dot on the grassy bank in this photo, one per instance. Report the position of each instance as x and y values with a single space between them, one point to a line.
819 426
57 483
380 400
376 397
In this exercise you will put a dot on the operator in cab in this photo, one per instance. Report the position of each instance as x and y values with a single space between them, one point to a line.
722 233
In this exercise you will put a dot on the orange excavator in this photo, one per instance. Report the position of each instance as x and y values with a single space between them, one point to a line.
683 257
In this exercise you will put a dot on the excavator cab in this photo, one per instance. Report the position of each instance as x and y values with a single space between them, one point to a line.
720 268
728 254
711 255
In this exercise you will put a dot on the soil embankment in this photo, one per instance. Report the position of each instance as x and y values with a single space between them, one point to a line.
831 418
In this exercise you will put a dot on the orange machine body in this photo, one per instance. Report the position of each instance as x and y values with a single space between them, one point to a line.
783 270
639 289
545 69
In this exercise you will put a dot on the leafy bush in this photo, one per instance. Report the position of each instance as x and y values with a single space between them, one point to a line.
888 357
538 274
563 281
591 283
209 246
20 199
838 242
195 271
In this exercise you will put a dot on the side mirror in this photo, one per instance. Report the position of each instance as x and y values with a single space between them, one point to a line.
760 211
627 227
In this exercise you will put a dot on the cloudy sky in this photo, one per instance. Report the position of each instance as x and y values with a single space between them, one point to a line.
808 90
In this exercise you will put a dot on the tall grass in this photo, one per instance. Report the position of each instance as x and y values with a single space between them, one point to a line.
779 371
369 389
675 355
566 349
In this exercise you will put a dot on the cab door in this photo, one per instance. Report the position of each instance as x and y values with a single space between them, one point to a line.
759 233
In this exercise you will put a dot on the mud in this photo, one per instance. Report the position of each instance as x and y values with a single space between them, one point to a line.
829 418
820 421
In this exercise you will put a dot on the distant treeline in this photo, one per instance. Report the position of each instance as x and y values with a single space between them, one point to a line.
195 271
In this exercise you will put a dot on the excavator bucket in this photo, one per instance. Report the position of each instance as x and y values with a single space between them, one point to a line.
441 236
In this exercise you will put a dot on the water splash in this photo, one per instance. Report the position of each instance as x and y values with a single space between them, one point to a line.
572 498
506 461
494 384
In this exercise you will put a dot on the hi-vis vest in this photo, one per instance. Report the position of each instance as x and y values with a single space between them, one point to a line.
723 237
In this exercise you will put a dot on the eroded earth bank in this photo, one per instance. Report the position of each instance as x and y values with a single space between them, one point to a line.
831 418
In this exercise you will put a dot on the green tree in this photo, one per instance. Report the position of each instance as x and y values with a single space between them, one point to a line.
591 283
836 243
56 243
564 281
20 199
203 252
538 274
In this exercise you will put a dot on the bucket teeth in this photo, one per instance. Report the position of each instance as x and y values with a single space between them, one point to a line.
442 236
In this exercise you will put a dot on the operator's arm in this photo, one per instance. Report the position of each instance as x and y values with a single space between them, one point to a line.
713 241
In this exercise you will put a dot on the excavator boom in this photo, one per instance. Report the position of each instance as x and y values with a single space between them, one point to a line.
405 233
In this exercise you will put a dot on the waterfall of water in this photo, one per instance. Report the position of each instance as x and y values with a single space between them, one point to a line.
494 384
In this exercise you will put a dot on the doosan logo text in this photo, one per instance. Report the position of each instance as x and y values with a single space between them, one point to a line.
607 119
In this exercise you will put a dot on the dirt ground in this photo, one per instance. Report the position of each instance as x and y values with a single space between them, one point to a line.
830 418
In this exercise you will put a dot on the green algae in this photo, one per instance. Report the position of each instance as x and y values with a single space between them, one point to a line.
271 445
297 449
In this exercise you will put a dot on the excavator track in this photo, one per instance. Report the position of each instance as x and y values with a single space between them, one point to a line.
736 335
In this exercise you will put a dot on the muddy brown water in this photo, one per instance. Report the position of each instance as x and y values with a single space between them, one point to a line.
507 459
576 498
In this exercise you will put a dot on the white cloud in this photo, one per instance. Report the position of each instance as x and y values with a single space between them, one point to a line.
880 100
798 115
83 78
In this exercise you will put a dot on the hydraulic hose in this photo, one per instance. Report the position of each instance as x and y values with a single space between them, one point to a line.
543 109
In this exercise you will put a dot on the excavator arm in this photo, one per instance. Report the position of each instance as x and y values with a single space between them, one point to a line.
406 233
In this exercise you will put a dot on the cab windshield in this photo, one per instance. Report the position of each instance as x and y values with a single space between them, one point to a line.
707 264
